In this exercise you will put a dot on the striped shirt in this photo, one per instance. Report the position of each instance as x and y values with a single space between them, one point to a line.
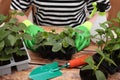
57 12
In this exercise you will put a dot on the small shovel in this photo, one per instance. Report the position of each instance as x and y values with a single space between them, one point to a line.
52 70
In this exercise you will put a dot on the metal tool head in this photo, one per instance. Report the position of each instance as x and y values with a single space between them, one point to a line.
45 72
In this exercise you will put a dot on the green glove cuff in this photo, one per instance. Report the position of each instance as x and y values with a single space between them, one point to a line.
88 25
94 10
82 40
32 30
102 13
27 23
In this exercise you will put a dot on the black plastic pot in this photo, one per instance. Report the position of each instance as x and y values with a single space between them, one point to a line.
90 75
18 58
116 58
22 49
111 69
4 62
46 52
87 75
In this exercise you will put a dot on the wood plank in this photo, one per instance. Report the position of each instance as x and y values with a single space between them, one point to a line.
37 59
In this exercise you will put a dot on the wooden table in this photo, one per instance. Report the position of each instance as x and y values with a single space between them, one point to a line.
68 74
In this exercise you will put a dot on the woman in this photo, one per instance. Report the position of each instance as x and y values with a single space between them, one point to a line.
59 13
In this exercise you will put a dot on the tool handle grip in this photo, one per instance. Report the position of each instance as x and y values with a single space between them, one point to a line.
78 61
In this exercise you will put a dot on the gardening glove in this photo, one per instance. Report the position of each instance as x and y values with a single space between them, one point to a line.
82 40
32 30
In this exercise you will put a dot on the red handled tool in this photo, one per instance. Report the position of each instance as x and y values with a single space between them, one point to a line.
52 70
78 61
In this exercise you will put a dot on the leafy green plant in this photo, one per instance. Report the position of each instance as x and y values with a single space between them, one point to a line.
108 52
11 36
56 43
95 65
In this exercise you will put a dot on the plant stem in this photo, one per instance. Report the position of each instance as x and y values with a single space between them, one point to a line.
99 63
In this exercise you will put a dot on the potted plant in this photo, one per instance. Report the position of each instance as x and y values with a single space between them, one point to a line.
106 60
11 43
53 45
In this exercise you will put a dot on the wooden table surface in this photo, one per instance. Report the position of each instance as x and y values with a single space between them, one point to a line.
68 74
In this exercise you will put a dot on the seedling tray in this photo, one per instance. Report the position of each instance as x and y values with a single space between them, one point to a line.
20 65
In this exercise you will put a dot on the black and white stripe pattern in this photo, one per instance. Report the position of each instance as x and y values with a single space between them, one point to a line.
56 12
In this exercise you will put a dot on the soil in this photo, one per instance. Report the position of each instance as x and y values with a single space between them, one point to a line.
89 74
18 58
111 68
4 62
46 52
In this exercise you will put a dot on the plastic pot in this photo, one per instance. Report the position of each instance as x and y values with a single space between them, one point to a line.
90 75
46 52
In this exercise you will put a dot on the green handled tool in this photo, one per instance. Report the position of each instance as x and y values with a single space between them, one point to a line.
95 9
52 70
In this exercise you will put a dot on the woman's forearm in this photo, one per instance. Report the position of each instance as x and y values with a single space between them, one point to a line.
21 18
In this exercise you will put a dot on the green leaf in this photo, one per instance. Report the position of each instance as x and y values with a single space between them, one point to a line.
20 13
90 61
118 15
100 42
2 18
87 67
63 51
15 29
13 21
14 12
100 75
100 31
12 39
69 41
48 43
110 33
65 44
117 31
104 25
22 26
4 34
5 58
110 60
116 47
21 52
11 50
2 44
26 36
116 20
100 52
56 47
